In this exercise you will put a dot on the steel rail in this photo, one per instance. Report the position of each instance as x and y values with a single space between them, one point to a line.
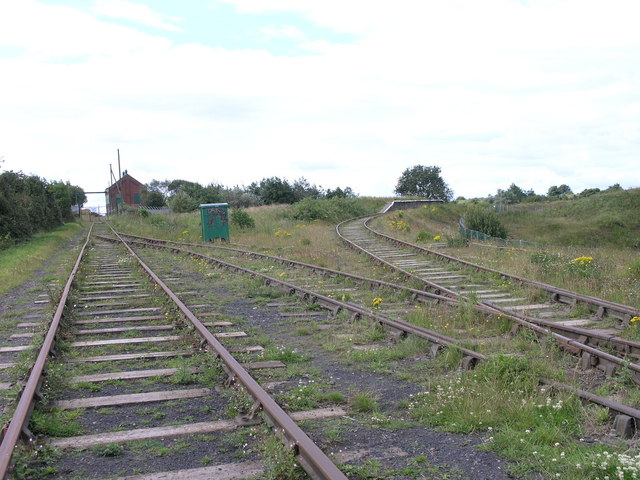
609 362
471 357
540 326
311 458
17 424
328 302
617 310
283 260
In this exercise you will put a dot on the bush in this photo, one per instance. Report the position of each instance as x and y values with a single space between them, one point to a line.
331 210
181 202
242 219
584 266
485 221
28 204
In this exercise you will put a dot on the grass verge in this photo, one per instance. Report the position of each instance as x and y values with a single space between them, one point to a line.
18 263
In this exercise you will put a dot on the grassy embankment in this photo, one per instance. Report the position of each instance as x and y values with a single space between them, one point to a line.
19 262
304 231
603 230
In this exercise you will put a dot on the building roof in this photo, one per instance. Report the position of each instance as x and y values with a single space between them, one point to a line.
126 175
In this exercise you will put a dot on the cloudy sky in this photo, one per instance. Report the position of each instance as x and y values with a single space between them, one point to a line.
342 92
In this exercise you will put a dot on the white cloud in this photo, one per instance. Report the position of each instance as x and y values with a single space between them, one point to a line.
136 12
494 92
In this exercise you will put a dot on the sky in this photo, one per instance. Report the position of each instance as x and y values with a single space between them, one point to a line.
342 93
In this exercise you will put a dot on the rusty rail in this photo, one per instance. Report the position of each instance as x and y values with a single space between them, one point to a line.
332 303
312 459
617 310
471 357
17 424
610 362
539 326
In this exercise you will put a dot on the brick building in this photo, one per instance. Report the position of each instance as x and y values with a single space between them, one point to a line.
125 191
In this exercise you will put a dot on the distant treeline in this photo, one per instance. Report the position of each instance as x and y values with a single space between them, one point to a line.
514 194
185 196
30 204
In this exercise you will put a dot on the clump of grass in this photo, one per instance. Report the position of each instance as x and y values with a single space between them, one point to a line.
364 402
279 461
182 376
108 450
285 355
56 422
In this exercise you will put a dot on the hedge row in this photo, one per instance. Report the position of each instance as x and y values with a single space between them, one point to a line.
29 204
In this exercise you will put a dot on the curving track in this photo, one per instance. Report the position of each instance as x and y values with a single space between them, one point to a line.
455 278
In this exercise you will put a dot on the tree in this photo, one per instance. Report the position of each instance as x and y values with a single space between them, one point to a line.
182 202
276 190
514 194
153 199
67 195
340 193
424 182
559 191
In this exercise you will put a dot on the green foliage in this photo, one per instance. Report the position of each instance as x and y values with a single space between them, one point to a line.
279 461
152 198
547 261
364 402
182 202
29 204
108 450
34 462
514 194
56 423
423 236
456 242
331 210
584 266
562 191
425 182
67 195
242 219
634 268
275 190
485 221
605 219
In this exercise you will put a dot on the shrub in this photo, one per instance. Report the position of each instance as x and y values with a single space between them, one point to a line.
423 236
584 266
242 219
485 221
331 210
182 202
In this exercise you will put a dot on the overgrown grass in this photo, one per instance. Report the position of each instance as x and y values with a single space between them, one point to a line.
581 255
539 428
18 263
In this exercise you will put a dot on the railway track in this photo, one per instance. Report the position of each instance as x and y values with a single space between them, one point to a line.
346 296
358 295
456 278
133 368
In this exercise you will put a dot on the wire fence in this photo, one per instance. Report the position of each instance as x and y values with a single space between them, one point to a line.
157 210
475 235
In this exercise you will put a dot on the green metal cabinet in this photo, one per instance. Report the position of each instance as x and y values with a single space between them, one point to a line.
215 221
